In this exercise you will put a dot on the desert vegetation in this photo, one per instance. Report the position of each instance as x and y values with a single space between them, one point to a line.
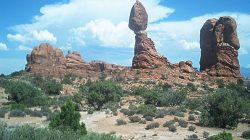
159 107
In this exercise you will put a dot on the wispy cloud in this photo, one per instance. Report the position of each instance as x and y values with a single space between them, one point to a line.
3 47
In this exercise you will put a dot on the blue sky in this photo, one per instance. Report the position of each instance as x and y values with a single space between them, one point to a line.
98 28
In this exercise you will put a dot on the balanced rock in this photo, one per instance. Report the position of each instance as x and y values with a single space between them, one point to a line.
219 45
138 20
145 54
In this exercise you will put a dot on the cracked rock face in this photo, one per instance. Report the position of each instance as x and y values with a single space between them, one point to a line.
219 45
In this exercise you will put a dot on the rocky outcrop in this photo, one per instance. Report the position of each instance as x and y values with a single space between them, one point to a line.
219 47
186 67
47 60
145 54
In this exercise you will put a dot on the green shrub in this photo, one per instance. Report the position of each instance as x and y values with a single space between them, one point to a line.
191 128
68 119
68 78
149 118
103 92
223 108
142 122
127 112
220 83
27 132
3 111
51 87
153 97
45 110
222 136
146 110
183 123
246 134
205 134
91 111
24 93
134 119
152 125
168 123
36 113
193 104
191 87
192 137
191 117
121 122
17 113
172 98
160 113
172 128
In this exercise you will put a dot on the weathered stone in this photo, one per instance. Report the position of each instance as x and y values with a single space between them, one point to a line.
219 44
145 54
138 20
186 67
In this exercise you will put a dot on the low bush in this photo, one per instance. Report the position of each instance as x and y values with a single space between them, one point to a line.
102 92
246 134
172 128
24 93
68 119
191 117
91 111
3 111
191 87
205 134
121 122
161 113
134 119
68 78
193 104
192 137
51 87
221 136
27 132
142 122
149 118
183 123
172 98
17 113
36 113
221 109
146 110
220 83
152 125
127 112
191 128
168 123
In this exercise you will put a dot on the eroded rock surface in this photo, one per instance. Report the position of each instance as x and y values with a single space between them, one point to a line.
219 47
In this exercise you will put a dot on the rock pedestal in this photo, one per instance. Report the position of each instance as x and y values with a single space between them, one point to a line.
145 54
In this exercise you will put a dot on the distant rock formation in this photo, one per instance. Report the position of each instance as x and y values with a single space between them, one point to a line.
219 45
145 54
47 60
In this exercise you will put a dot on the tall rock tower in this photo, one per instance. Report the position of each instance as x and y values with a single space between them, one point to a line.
219 45
145 54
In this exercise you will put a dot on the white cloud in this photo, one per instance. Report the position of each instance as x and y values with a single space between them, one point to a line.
23 48
189 45
33 36
3 46
104 32
16 37
64 19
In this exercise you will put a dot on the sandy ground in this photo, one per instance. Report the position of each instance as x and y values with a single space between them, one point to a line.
106 123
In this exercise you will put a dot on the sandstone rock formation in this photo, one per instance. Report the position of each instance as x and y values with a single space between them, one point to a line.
145 54
186 67
47 60
219 47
